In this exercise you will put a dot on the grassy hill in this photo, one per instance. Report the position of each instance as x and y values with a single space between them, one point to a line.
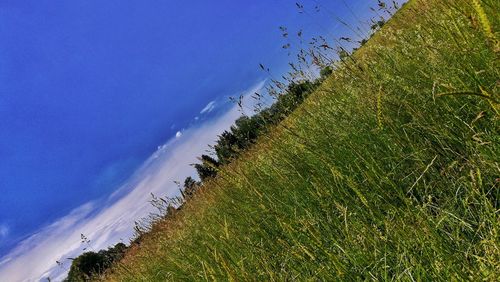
389 170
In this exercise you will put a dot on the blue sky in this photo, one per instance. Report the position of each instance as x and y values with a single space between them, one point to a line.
90 89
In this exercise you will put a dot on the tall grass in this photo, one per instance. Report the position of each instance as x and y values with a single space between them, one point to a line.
378 176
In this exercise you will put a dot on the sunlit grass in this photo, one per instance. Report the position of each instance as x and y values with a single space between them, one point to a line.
377 176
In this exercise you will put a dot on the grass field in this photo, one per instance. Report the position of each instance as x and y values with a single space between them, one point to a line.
389 171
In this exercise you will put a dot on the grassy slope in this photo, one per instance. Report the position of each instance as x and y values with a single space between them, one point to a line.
375 176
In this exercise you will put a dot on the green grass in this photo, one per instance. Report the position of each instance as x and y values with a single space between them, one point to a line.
389 171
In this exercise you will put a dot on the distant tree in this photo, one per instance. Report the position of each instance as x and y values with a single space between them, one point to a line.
190 187
226 147
325 72
246 131
240 136
87 265
90 264
299 91
378 24
294 96
207 168
115 253
343 54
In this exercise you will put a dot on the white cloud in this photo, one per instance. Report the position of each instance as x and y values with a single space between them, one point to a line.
35 258
178 134
208 108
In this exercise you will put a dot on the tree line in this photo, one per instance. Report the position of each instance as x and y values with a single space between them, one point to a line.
246 130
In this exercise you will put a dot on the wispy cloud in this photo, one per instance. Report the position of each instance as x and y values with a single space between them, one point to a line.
107 222
4 230
208 108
